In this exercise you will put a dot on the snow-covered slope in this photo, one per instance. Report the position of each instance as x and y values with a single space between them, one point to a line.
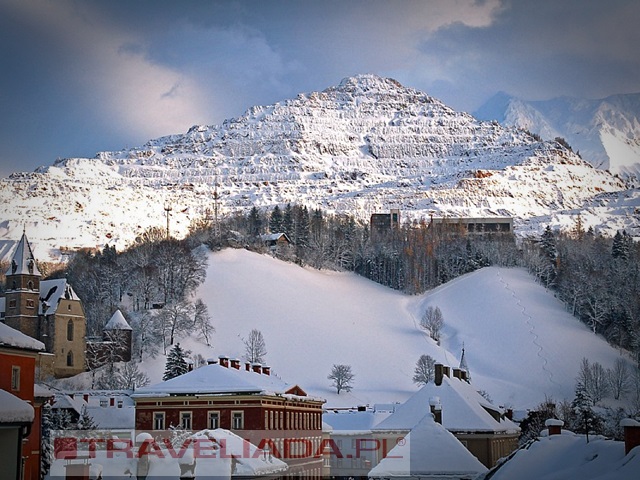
606 132
360 147
520 343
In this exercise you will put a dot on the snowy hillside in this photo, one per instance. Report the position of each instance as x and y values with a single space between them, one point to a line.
520 342
606 132
361 147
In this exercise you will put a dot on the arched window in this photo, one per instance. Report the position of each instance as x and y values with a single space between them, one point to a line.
30 285
70 359
70 330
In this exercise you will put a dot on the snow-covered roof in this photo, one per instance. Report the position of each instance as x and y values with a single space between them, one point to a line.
68 402
10 337
52 291
216 379
14 409
42 391
23 262
123 418
273 237
570 456
463 410
250 460
353 422
429 450
117 322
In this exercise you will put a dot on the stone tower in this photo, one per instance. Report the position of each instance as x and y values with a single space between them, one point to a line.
47 310
22 295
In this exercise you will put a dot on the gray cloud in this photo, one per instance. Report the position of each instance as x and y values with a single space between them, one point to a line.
87 76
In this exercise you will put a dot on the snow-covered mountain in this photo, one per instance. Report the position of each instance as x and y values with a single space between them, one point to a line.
361 147
606 131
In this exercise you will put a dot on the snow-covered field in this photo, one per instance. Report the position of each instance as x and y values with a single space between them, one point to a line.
520 342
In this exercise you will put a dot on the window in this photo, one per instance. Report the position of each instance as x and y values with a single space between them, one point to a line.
266 420
185 420
158 420
70 330
15 378
69 307
70 359
237 420
12 303
214 420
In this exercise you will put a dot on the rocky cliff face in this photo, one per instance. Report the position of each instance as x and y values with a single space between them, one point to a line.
361 147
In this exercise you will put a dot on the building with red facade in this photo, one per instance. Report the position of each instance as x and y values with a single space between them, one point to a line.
20 407
245 399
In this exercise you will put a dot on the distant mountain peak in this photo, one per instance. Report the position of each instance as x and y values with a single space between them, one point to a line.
606 131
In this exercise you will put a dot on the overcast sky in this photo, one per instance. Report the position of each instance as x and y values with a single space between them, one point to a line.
79 77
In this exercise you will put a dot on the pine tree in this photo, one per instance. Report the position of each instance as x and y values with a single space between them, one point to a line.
255 222
287 221
620 247
176 363
46 440
85 421
275 220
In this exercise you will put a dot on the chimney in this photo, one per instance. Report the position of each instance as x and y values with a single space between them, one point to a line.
439 371
112 402
509 413
446 370
362 408
266 369
85 397
456 373
211 361
235 363
436 409
631 434
256 367
189 365
554 426
224 361
463 375
247 366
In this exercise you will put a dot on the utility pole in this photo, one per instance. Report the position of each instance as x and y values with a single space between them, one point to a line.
167 209
216 199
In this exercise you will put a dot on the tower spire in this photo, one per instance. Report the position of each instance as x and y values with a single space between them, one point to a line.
23 261
463 364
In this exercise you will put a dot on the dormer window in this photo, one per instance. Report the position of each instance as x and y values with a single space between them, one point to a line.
14 266
30 265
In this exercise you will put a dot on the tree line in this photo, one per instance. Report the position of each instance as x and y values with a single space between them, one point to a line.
597 277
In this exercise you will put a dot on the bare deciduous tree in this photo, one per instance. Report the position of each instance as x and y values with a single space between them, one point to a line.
619 379
342 377
425 370
433 321
255 347
202 322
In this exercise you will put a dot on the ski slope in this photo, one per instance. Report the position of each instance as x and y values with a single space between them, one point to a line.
520 342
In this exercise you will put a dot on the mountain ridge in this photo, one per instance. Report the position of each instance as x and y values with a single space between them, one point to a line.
605 131
363 146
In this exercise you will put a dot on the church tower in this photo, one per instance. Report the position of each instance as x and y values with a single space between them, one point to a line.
23 291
